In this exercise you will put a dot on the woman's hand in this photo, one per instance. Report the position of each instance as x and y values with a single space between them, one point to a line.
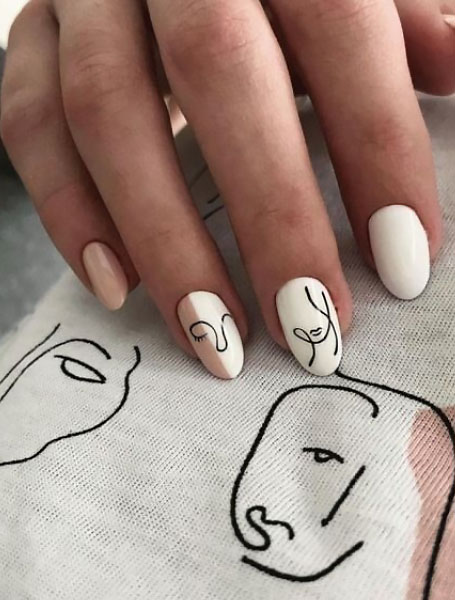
84 121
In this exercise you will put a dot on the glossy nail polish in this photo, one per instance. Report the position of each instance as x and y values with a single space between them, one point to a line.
400 249
212 332
106 275
310 325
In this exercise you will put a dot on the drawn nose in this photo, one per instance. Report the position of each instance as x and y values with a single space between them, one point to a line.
256 516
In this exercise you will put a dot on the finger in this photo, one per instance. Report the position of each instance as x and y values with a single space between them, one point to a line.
38 140
228 74
429 30
121 127
375 131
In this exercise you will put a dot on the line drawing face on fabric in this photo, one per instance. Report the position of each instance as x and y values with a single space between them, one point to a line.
199 332
318 335
318 472
80 394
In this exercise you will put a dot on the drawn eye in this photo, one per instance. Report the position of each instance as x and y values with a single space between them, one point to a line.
80 371
321 455
199 338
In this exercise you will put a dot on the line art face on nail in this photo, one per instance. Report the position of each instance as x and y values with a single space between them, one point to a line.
318 335
200 336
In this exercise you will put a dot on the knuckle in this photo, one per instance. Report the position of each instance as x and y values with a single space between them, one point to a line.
207 38
25 113
98 82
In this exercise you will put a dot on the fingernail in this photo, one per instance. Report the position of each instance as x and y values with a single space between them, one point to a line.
106 275
310 325
212 331
450 20
400 250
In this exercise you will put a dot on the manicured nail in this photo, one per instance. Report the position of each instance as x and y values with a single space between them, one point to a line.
106 275
310 325
450 20
400 250
212 331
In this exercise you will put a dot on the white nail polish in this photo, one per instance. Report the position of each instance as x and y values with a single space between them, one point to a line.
310 325
400 250
450 20
212 331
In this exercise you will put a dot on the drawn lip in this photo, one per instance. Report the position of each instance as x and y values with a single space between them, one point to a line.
316 331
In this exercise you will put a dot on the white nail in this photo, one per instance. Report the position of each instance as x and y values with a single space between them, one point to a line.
400 249
213 333
310 324
450 20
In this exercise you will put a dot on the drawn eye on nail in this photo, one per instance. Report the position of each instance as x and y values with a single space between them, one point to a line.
221 341
321 455
80 371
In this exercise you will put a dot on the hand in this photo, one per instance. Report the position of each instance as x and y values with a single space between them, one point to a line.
85 124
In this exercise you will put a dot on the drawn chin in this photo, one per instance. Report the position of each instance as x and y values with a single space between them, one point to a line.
301 578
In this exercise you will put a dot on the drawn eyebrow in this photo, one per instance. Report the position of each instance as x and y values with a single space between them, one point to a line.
329 455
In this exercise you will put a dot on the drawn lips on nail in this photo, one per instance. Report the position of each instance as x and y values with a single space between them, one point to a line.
318 335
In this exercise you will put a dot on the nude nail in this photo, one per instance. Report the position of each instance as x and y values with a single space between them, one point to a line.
450 20
106 275
310 325
400 249
211 329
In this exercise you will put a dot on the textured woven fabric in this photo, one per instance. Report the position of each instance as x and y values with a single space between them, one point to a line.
128 472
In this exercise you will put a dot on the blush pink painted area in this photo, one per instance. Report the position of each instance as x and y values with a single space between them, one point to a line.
431 457
206 351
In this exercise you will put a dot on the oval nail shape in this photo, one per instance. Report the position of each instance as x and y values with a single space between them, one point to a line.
399 245
310 325
212 332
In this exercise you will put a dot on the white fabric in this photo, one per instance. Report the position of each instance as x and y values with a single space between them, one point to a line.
146 505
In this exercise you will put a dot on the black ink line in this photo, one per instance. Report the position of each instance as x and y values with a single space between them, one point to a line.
297 331
303 578
251 453
85 341
329 455
90 429
343 497
100 378
197 176
448 506
200 338
46 339
212 212
214 198
263 532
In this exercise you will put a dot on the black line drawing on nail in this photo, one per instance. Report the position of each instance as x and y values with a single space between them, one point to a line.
254 528
317 335
75 369
200 337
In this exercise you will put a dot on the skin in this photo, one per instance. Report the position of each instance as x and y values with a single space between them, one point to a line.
84 121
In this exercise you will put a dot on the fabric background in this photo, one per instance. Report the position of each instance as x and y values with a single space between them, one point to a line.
130 494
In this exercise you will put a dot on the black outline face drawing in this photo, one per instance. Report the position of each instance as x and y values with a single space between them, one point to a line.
318 335
257 524
75 369
199 334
